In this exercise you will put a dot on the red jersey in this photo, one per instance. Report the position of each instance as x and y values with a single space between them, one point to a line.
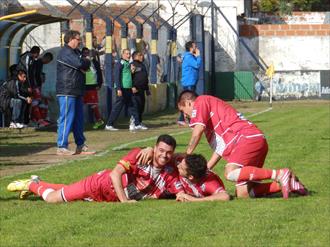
224 126
209 185
145 181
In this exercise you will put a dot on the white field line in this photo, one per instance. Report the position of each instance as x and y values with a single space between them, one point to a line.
117 148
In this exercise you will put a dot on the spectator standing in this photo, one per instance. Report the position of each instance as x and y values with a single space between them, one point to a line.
70 87
13 93
191 62
140 85
123 85
94 80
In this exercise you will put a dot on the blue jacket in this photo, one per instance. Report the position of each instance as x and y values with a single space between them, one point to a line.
70 78
190 69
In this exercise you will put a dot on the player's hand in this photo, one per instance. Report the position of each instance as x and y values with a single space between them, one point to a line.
119 93
134 90
145 156
183 197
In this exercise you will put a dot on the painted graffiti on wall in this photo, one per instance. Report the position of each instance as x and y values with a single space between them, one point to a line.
293 85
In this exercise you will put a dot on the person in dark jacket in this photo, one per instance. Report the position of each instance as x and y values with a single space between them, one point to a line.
13 94
70 88
94 80
123 84
140 84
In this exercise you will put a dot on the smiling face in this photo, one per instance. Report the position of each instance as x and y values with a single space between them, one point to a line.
183 170
163 153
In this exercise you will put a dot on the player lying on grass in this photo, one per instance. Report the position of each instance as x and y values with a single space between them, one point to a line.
199 183
127 182
239 142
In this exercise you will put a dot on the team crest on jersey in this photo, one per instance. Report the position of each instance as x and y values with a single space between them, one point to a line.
194 113
178 185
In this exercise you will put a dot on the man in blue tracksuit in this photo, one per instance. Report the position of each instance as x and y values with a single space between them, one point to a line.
191 62
70 88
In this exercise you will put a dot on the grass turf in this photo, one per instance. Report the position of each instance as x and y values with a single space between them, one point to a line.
298 137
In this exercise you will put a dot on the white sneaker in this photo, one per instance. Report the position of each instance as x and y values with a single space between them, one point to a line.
132 127
110 127
16 125
144 126
140 127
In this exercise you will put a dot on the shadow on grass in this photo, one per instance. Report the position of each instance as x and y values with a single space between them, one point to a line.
15 198
23 149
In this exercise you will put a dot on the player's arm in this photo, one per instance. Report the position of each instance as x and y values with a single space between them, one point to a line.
195 138
115 176
213 161
220 196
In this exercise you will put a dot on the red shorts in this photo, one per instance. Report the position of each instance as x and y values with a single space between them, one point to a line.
91 97
74 192
249 151
96 187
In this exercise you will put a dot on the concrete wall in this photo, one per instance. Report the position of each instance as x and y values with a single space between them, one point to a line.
299 53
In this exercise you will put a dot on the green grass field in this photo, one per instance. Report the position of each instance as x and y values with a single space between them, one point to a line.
298 134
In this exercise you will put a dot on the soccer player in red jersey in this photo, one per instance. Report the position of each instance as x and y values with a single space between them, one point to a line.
127 182
239 142
199 183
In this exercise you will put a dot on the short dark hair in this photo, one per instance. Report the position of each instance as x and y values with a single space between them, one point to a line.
48 56
35 49
69 35
135 53
189 45
84 49
169 140
196 165
186 95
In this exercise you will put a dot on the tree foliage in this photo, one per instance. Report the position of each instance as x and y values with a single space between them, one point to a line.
286 6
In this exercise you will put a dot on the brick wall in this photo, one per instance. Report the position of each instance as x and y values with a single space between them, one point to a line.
285 30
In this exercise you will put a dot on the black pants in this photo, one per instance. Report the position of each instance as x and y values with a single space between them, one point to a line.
125 100
139 100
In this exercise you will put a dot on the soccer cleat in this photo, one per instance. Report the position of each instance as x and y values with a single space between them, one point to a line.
98 124
19 185
297 187
24 194
64 152
110 128
284 179
83 149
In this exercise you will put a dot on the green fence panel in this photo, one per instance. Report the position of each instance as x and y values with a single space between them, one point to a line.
234 85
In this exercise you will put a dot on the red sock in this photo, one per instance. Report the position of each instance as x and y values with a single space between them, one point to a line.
52 186
96 112
39 188
252 173
265 189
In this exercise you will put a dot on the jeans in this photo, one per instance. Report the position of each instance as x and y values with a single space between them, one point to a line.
16 106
